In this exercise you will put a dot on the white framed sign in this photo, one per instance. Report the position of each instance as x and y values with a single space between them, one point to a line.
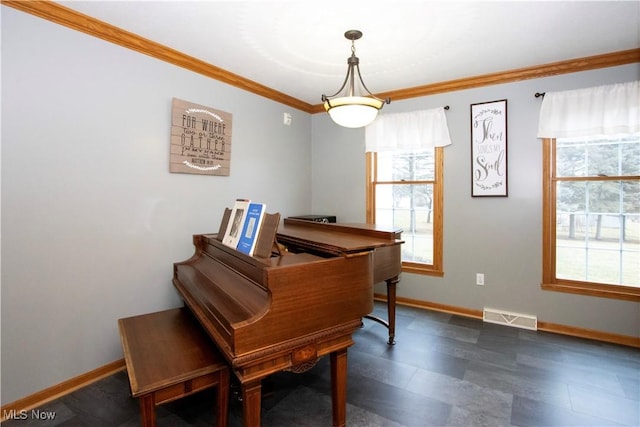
489 149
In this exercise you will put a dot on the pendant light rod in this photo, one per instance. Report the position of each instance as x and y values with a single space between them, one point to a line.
353 62
351 109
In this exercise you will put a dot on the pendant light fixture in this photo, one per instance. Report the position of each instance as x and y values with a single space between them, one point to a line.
349 108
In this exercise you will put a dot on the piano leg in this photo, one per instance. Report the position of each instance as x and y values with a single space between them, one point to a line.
148 410
339 387
391 310
251 401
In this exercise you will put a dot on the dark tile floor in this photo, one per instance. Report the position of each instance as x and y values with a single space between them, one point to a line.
445 370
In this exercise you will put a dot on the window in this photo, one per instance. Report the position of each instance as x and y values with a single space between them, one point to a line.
591 220
405 158
404 189
591 190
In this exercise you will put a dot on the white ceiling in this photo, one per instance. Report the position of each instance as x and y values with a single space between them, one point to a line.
298 47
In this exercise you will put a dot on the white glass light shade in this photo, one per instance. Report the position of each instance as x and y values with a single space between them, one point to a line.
353 111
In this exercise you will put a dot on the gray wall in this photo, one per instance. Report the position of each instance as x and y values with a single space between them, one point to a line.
500 237
92 220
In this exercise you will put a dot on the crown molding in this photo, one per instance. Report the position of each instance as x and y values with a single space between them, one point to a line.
546 70
62 15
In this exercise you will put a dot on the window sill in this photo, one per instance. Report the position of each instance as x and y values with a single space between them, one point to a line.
629 293
426 270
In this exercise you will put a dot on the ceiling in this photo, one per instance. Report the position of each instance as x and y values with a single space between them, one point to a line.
298 47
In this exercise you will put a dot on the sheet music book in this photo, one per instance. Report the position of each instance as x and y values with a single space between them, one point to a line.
236 221
252 223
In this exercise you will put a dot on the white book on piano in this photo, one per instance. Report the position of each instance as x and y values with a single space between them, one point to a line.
236 222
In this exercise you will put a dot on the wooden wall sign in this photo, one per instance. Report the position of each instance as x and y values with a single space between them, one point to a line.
200 139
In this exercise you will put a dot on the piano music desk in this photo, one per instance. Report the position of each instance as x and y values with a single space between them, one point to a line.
168 356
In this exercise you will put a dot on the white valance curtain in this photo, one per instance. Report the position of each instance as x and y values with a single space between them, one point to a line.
602 110
415 130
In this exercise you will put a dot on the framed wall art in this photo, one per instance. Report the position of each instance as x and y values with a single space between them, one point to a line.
489 149
200 139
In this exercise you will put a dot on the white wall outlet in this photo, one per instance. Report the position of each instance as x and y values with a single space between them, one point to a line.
479 279
287 119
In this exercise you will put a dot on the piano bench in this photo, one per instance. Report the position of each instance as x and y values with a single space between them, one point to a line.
169 356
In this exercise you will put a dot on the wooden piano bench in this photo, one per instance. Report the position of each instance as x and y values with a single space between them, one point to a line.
169 356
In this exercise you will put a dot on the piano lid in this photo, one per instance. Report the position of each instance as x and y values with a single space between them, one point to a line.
337 238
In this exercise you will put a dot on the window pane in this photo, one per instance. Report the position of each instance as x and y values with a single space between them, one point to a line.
570 158
603 266
409 207
630 156
603 158
417 248
598 157
570 260
570 197
631 197
631 267
407 166
598 232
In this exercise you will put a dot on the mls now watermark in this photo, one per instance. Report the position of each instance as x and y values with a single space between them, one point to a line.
34 414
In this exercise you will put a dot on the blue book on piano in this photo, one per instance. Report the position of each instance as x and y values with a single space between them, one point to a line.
251 228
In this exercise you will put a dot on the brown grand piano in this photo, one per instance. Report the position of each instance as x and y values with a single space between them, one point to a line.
342 239
283 312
